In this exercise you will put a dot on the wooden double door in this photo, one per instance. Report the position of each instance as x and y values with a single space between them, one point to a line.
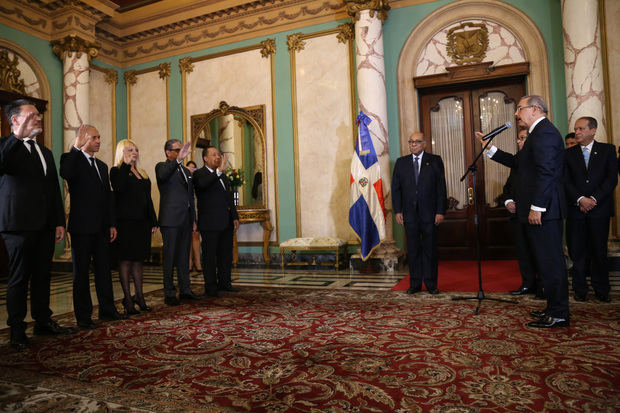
449 116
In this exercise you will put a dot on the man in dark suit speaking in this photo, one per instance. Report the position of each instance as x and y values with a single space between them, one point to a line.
177 219
541 206
31 218
419 201
217 219
92 225
590 180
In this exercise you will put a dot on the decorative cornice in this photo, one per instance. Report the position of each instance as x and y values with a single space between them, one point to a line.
164 70
381 7
346 32
268 48
131 77
186 65
295 42
10 74
111 76
74 44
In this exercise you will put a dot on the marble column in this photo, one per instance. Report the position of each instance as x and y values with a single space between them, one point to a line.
583 64
370 68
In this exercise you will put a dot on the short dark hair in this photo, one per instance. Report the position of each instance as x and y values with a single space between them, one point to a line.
191 162
592 123
206 150
14 108
569 136
169 143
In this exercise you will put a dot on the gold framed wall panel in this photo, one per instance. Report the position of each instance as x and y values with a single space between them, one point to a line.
332 208
97 108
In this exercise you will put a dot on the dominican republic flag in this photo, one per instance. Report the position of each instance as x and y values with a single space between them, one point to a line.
367 210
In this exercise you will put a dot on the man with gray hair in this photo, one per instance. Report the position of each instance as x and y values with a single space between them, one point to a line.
177 219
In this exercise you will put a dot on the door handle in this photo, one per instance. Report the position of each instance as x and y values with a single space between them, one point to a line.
470 195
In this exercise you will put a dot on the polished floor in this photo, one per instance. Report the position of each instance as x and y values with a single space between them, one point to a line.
244 277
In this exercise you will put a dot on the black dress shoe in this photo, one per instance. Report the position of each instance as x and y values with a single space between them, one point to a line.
540 296
212 293
549 322
230 289
87 325
580 297
113 316
538 314
190 296
414 290
522 291
172 301
19 340
433 291
50 328
603 297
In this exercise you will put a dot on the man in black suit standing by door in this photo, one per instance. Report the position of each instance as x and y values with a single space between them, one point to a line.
541 206
419 201
177 219
91 225
31 219
217 221
590 180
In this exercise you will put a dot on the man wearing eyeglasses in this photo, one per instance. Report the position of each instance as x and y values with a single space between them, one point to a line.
177 219
541 206
419 201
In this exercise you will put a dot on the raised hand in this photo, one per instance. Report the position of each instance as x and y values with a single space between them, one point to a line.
185 150
22 131
81 138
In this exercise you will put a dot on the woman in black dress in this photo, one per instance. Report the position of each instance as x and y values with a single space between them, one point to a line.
136 221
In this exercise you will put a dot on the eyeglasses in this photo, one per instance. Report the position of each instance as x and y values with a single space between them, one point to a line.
418 141
523 107
175 150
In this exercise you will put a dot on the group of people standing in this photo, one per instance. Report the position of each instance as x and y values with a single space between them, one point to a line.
105 208
549 182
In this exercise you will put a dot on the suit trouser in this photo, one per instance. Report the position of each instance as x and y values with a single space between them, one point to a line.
422 253
175 253
525 257
546 243
30 260
217 253
587 244
83 248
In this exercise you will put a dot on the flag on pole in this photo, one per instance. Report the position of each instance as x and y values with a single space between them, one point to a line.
367 209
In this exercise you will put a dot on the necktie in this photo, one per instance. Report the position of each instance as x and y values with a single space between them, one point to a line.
586 155
34 155
415 169
92 165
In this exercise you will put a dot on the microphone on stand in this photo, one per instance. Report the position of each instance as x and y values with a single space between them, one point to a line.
497 131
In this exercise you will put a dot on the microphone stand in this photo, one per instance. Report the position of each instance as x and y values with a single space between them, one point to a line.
480 296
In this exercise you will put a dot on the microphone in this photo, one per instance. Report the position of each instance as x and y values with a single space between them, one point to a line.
497 131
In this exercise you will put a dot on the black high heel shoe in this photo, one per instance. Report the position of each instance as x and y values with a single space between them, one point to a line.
141 303
129 308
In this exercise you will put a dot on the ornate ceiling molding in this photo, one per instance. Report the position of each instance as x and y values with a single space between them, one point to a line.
166 28
71 44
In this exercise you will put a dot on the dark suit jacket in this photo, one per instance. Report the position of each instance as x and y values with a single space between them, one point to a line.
428 197
512 162
29 201
540 173
598 180
176 196
92 202
133 196
216 210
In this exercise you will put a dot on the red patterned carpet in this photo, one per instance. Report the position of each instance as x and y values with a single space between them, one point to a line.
497 276
298 350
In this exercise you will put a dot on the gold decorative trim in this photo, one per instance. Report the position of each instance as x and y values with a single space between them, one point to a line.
164 70
111 76
131 77
346 32
73 44
381 7
268 48
186 65
295 140
274 147
295 42
10 74
468 46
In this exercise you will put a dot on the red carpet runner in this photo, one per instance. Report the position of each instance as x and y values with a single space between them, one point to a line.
497 276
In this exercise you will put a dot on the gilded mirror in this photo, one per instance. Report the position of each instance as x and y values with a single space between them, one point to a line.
238 133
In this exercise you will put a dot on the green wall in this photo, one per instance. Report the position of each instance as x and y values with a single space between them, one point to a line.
545 13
